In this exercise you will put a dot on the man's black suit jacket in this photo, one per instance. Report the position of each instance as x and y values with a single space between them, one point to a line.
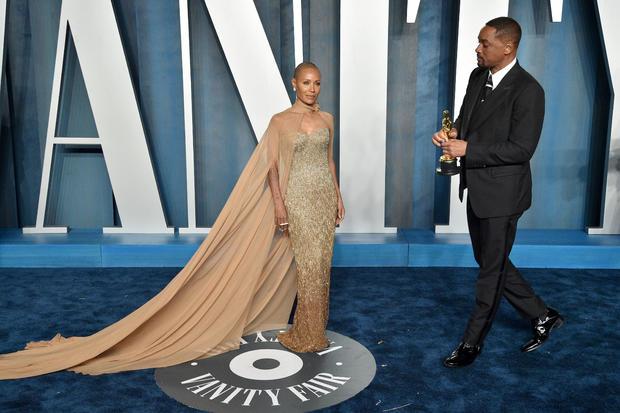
501 133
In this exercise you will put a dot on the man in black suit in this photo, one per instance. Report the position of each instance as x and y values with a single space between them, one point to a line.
498 129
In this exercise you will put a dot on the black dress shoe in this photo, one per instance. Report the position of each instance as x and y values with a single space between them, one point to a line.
464 355
541 329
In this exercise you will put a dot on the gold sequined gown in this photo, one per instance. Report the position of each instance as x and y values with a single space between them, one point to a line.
311 207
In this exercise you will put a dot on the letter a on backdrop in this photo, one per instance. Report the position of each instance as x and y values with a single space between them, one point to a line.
115 110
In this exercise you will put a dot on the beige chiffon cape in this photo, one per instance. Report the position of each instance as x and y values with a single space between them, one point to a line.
240 280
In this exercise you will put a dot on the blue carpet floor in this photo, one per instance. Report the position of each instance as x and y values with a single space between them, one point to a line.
409 318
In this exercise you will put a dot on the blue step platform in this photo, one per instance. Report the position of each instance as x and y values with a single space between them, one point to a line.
412 248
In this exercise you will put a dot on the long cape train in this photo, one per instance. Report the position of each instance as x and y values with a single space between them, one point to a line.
240 280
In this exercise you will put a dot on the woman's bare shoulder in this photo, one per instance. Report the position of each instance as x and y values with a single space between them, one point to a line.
328 118
327 115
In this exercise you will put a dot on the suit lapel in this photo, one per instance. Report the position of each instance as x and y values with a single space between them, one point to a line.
471 99
485 109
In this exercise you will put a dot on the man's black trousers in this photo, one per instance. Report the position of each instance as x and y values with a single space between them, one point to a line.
492 240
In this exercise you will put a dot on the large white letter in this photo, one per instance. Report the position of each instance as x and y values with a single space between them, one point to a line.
106 76
363 60
556 10
298 37
412 10
608 10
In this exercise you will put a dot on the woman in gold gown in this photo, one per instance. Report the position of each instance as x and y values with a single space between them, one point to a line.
242 279
313 206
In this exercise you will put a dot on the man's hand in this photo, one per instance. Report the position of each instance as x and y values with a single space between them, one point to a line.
439 137
451 147
454 147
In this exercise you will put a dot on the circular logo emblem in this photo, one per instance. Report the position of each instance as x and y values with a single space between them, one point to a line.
263 376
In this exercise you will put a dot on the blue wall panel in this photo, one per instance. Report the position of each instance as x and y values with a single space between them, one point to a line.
30 49
566 59
321 36
401 117
438 22
223 137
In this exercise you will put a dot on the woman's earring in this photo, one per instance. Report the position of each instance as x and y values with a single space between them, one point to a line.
294 90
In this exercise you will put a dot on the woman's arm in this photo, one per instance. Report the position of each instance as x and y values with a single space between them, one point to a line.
273 151
332 167
341 211
278 202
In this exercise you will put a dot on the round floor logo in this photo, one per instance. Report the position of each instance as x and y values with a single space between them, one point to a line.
263 376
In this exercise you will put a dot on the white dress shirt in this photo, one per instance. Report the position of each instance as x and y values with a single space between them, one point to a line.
499 75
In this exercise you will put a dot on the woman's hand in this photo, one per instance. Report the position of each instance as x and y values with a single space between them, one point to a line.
280 216
340 215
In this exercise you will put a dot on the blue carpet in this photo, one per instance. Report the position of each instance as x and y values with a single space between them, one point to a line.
409 318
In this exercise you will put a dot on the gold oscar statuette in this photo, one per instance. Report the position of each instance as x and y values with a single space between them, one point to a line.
447 164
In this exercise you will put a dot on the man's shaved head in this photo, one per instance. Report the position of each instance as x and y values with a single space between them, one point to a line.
506 28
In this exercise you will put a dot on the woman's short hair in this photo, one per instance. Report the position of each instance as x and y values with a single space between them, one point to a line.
304 65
